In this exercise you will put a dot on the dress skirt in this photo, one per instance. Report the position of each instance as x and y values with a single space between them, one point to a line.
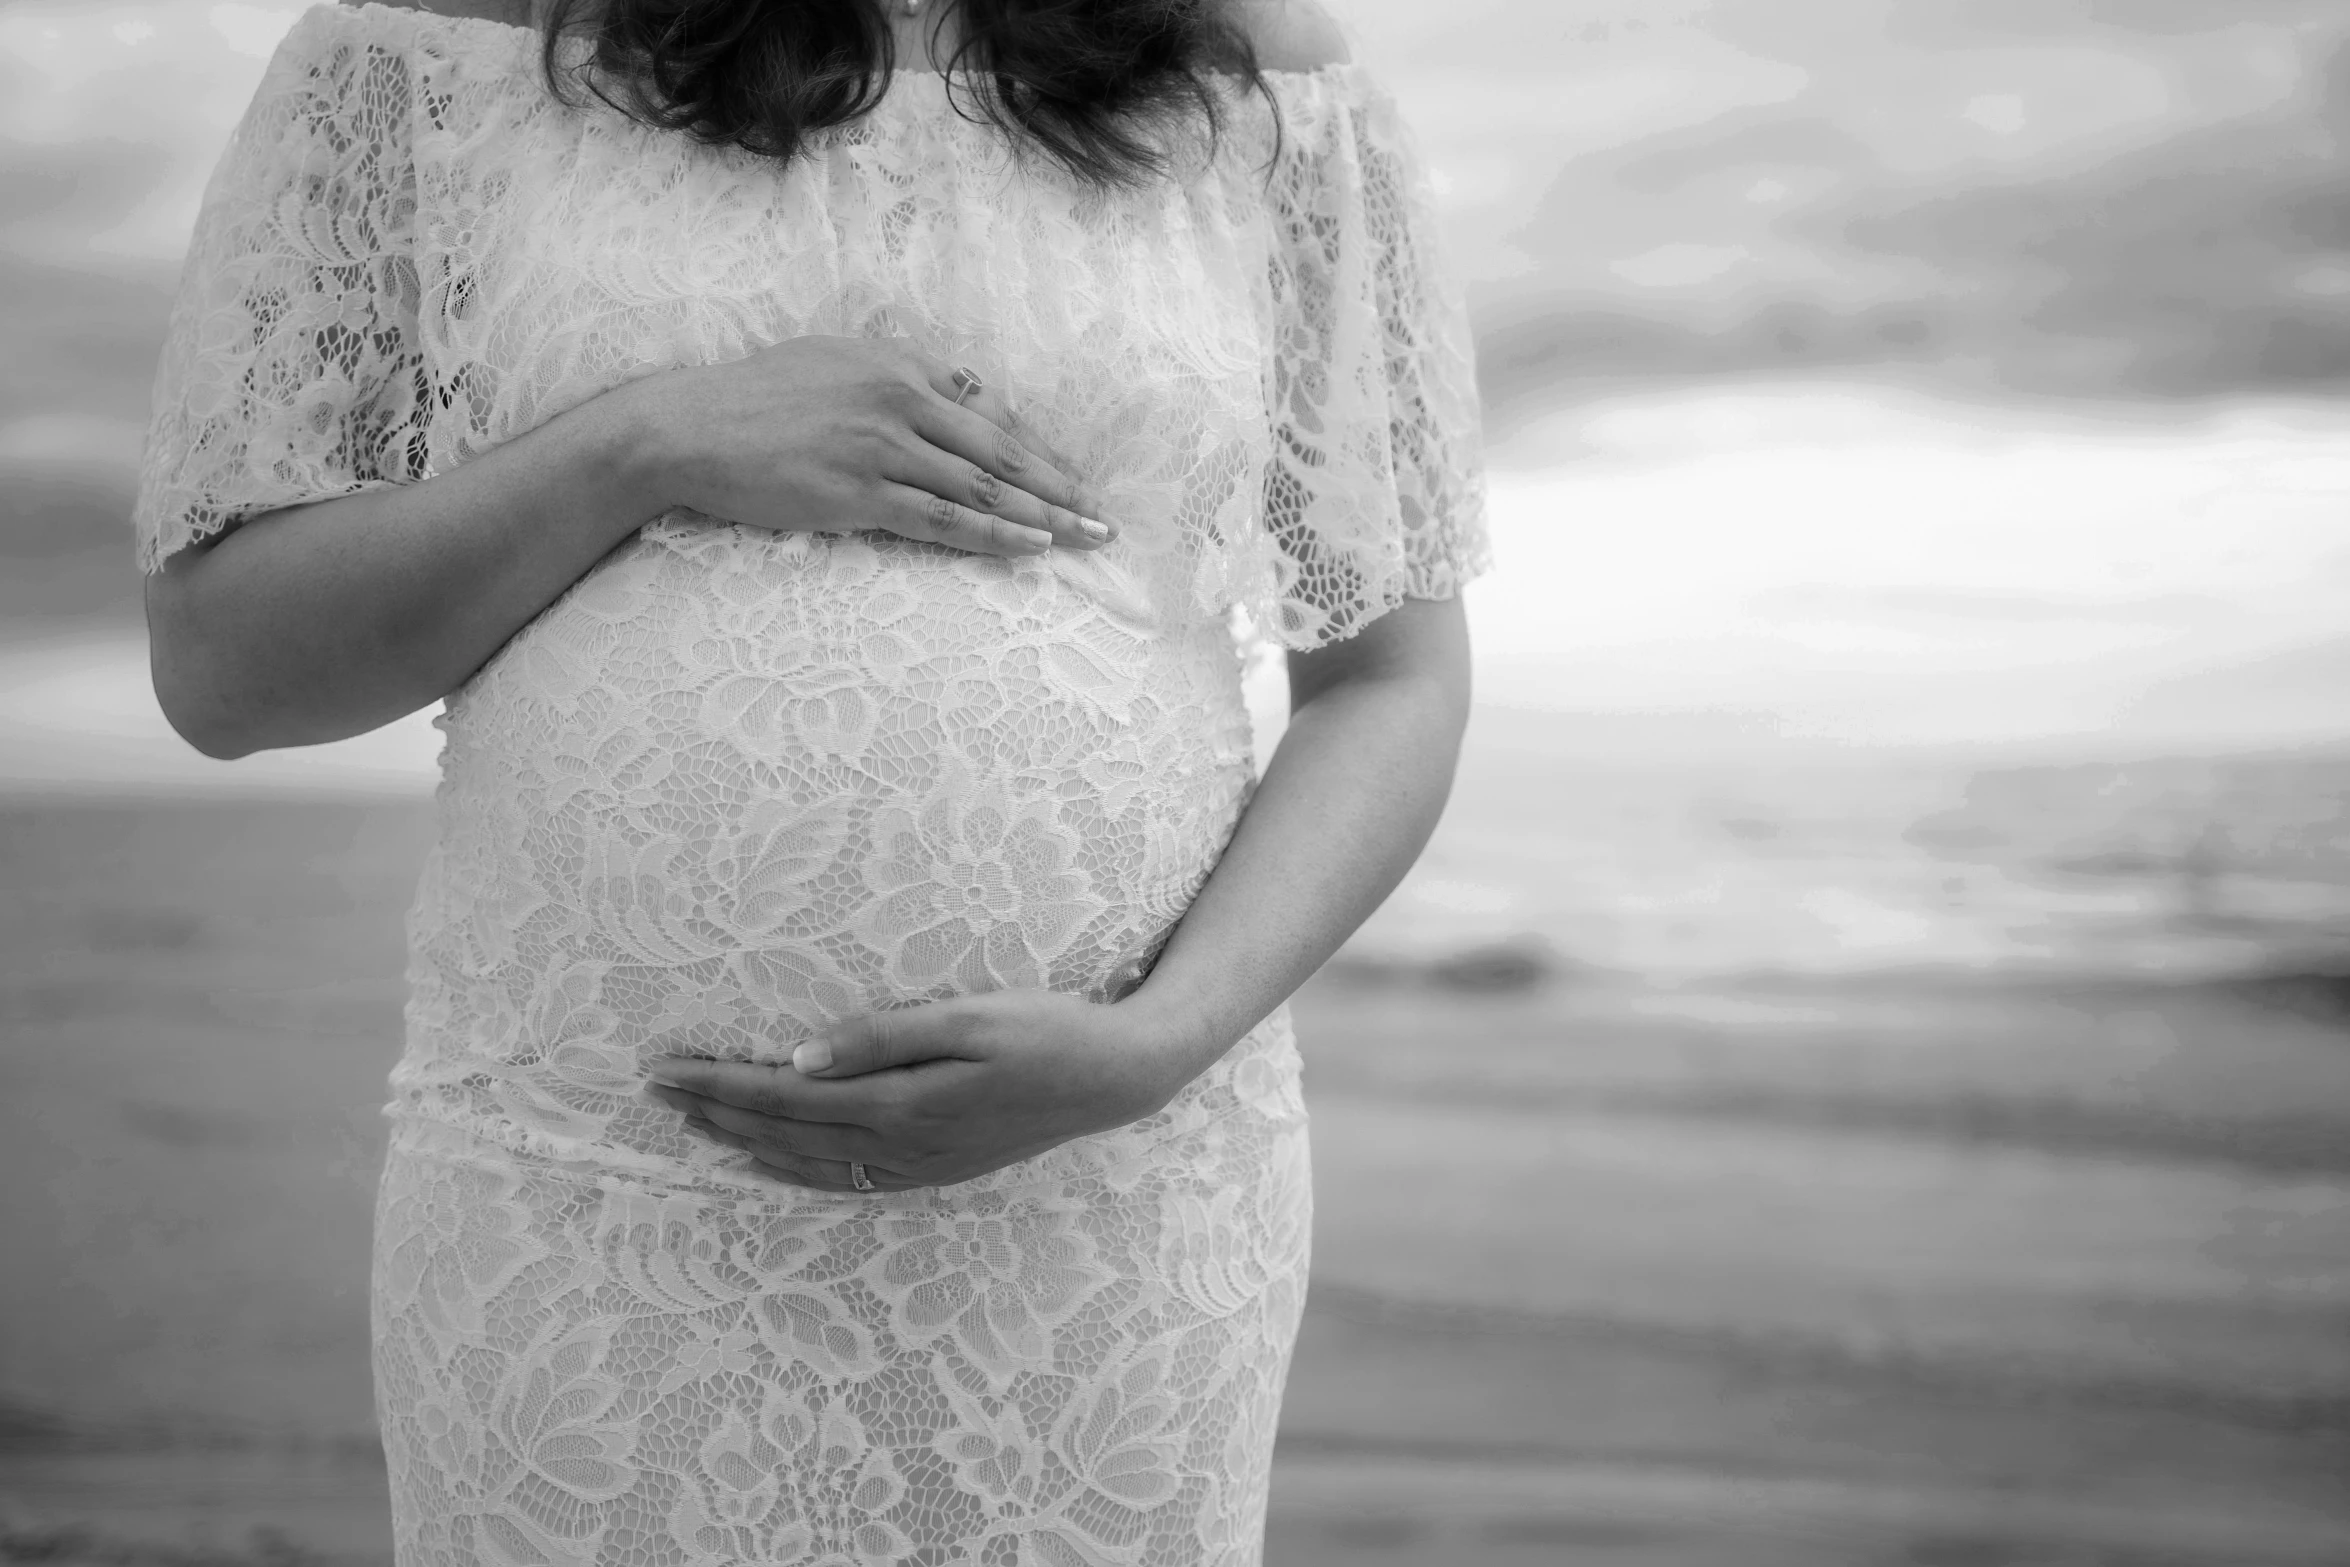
1084 1368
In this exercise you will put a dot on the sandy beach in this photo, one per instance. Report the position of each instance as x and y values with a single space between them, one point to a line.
1849 1271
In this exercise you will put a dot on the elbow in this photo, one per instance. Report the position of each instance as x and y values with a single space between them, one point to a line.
227 680
203 721
216 739
193 690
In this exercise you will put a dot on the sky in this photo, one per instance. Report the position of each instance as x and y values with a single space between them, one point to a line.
1875 371
1903 181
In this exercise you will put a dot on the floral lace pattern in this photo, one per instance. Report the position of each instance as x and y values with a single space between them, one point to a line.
576 1368
734 785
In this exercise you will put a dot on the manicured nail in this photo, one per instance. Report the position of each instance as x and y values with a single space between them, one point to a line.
664 1075
814 1056
1033 541
1099 532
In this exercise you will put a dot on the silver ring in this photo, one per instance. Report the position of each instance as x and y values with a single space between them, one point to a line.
966 382
859 1179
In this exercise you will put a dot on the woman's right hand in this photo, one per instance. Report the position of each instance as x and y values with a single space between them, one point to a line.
847 434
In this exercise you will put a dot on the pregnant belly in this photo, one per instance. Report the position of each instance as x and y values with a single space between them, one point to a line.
737 786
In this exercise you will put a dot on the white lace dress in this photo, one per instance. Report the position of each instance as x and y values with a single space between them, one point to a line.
734 785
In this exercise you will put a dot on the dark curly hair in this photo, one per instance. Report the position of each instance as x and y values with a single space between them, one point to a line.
1086 82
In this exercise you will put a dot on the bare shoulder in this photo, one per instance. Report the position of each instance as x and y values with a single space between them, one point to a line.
519 13
1293 35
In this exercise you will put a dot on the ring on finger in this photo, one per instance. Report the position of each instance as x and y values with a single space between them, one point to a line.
816 1175
967 384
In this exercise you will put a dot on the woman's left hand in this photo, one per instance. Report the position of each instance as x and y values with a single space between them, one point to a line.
936 1094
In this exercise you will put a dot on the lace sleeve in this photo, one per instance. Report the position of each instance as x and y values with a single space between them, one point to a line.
1376 490
291 372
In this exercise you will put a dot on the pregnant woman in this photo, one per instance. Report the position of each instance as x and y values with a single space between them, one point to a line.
817 450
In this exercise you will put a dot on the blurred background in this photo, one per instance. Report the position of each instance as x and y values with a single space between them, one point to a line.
1863 1074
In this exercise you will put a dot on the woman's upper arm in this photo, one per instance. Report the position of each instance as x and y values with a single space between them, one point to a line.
292 371
1420 639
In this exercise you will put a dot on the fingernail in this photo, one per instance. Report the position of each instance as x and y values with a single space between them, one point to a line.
664 1075
1099 532
814 1056
1036 539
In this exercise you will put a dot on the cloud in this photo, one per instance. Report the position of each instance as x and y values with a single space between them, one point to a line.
2176 270
130 105
1999 197
253 30
1933 603
77 341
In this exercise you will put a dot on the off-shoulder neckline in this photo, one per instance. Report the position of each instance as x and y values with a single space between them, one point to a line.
1334 71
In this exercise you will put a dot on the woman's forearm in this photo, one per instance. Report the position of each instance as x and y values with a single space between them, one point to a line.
1345 807
322 621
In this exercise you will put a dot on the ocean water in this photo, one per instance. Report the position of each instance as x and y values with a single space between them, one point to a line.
1818 680
1853 863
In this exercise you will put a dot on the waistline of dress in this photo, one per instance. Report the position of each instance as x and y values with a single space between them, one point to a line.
507 1148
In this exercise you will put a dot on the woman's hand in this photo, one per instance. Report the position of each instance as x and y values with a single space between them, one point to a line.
847 434
936 1094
